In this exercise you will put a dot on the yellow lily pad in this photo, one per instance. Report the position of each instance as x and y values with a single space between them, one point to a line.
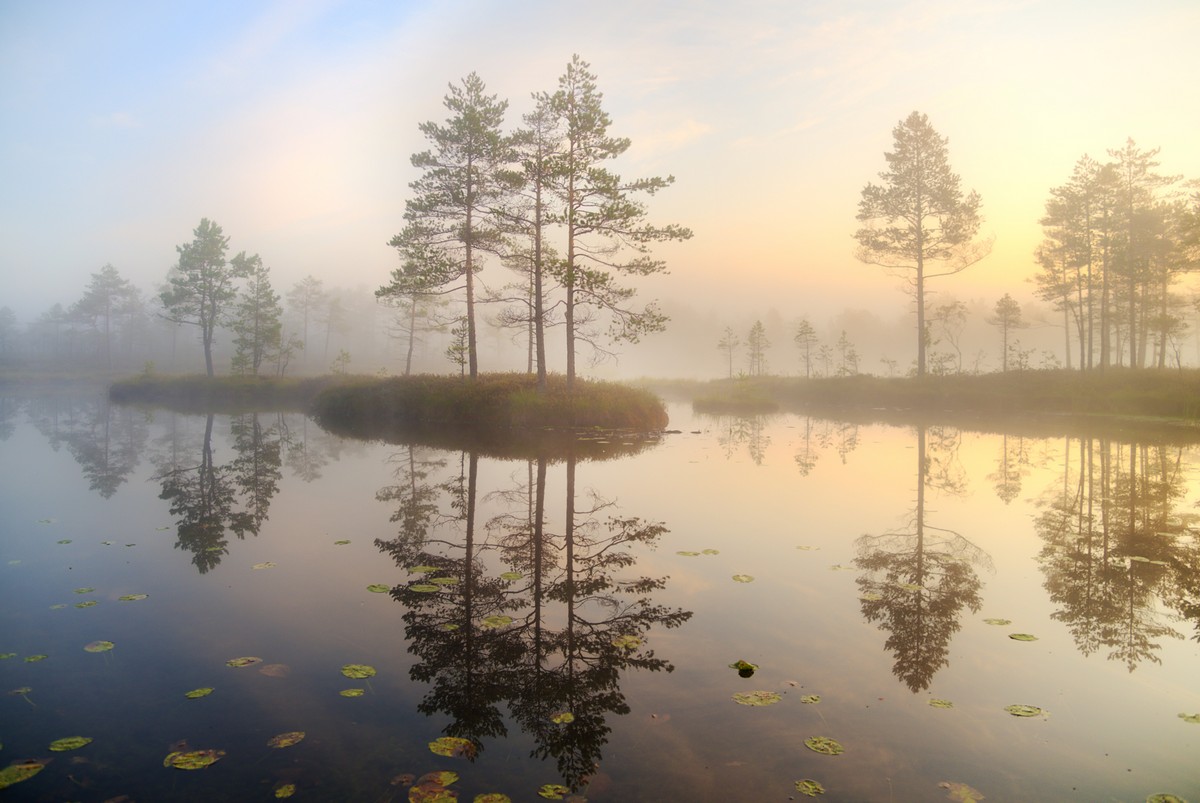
352 692
809 788
358 671
70 743
553 791
98 646
453 747
757 698
286 739
237 663
286 790
192 759
196 694
824 745
21 770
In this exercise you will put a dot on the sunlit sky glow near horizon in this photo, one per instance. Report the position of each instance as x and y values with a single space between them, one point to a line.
291 124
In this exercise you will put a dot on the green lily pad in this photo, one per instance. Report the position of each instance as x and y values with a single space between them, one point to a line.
65 541
1192 718
495 621
1165 797
270 564
237 663
33 659
757 698
743 578
940 703
998 621
352 692
58 606
70 743
961 792
688 554
453 747
196 694
21 770
808 548
710 552
492 797
286 739
1024 710
908 586
563 718
378 588
444 581
286 790
98 646
627 642
744 668
1022 637
21 691
91 603
449 627
84 590
824 745
4 656
511 576
358 671
809 788
1138 558
424 588
810 698
870 596
132 597
341 542
192 759
553 791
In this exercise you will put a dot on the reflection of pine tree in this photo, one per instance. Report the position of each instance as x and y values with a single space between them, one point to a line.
106 440
745 429
916 582
255 471
202 497
806 457
1010 468
416 500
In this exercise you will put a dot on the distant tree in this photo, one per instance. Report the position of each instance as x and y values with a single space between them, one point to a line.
756 349
847 356
415 315
8 329
107 297
458 352
202 285
341 362
729 343
918 216
452 218
950 319
333 314
824 358
256 323
305 298
805 338
602 217
1007 318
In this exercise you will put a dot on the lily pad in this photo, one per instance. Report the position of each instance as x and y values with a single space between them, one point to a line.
808 548
424 588
553 791
1192 718
937 702
58 606
132 597
743 578
91 603
744 668
84 590
688 554
65 541
961 792
352 692
493 622
870 596
444 581
453 747
908 586
810 698
627 642
21 770
196 694
757 698
1022 637
341 542
710 552
270 564
33 659
511 576
824 745
1024 710
70 743
998 621
809 788
286 790
286 739
378 588
563 718
1165 797
98 646
492 797
4 656
192 759
237 663
358 671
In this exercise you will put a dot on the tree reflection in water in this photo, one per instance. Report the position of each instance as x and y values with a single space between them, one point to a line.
916 582
579 616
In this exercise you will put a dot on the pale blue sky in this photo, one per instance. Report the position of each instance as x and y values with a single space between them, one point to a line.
291 125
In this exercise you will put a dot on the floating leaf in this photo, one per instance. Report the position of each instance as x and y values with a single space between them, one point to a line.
33 659
424 588
1192 718
1165 797
286 739
358 671
444 581
710 552
743 578
441 777
553 791
65 541
1023 710
132 597
378 588
688 554
511 576
870 596
492 797
70 743
58 606
627 642
998 621
809 788
563 718
4 656
757 698
21 691
341 542
496 621
287 790
270 564
352 692
196 694
449 627
744 668
192 759
237 663
98 646
1138 558
808 548
940 703
85 590
453 747
21 770
824 745
275 670
810 698
961 792
1022 637
91 603
908 586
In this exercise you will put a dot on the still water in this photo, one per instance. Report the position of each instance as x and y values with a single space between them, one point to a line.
874 575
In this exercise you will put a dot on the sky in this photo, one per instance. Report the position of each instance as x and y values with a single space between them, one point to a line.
291 124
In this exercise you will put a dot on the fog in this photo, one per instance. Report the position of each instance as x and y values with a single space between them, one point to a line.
292 126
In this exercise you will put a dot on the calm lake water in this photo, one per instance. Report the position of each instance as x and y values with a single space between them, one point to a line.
869 571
